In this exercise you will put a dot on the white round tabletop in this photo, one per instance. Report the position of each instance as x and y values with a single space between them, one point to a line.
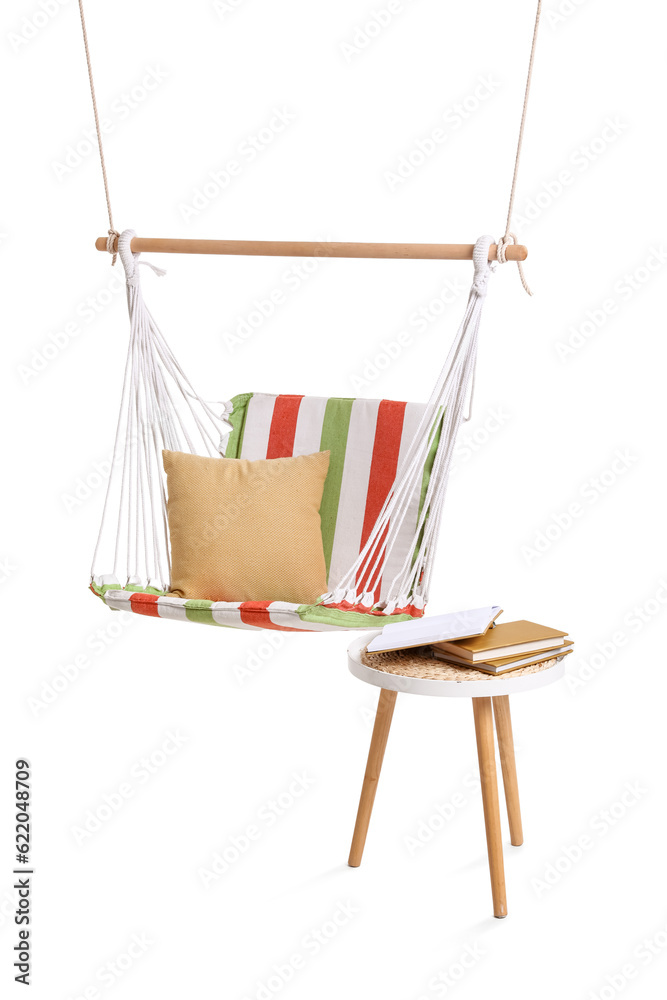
490 686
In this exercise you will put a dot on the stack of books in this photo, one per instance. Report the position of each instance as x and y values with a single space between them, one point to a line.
505 647
473 639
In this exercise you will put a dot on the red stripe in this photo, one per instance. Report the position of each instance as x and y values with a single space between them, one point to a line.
283 427
144 604
256 613
384 462
410 609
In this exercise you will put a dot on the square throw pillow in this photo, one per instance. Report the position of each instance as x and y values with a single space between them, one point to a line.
245 530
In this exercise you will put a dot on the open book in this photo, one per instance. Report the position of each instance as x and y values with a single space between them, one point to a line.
439 628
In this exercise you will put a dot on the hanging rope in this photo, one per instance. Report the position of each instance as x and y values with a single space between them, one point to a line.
510 238
507 240
112 239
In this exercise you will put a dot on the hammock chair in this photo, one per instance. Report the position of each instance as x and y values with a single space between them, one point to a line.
389 461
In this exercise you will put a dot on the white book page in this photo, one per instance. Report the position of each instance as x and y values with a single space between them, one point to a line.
439 628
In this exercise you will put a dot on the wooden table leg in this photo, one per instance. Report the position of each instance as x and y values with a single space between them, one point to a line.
501 710
381 728
486 754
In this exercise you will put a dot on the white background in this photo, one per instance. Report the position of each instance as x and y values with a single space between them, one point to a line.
547 428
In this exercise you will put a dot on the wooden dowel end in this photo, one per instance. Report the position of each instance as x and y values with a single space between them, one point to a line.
270 248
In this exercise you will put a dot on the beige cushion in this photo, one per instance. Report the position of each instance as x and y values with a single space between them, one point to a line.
246 531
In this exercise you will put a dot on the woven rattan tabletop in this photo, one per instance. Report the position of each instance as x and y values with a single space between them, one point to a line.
416 671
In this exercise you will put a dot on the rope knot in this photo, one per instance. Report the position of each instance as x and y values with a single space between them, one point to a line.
112 244
509 240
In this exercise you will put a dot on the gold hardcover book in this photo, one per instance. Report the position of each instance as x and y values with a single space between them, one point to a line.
505 663
508 639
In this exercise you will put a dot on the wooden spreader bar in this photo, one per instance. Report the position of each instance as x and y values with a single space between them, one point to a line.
271 248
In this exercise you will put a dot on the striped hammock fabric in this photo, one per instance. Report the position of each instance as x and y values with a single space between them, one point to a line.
367 439
249 614
382 501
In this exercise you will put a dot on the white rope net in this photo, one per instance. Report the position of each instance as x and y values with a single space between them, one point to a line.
442 420
159 409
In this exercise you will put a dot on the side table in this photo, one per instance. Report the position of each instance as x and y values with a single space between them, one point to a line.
414 671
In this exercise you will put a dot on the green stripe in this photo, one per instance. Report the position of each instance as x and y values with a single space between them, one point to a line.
334 439
131 588
199 611
428 465
237 420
